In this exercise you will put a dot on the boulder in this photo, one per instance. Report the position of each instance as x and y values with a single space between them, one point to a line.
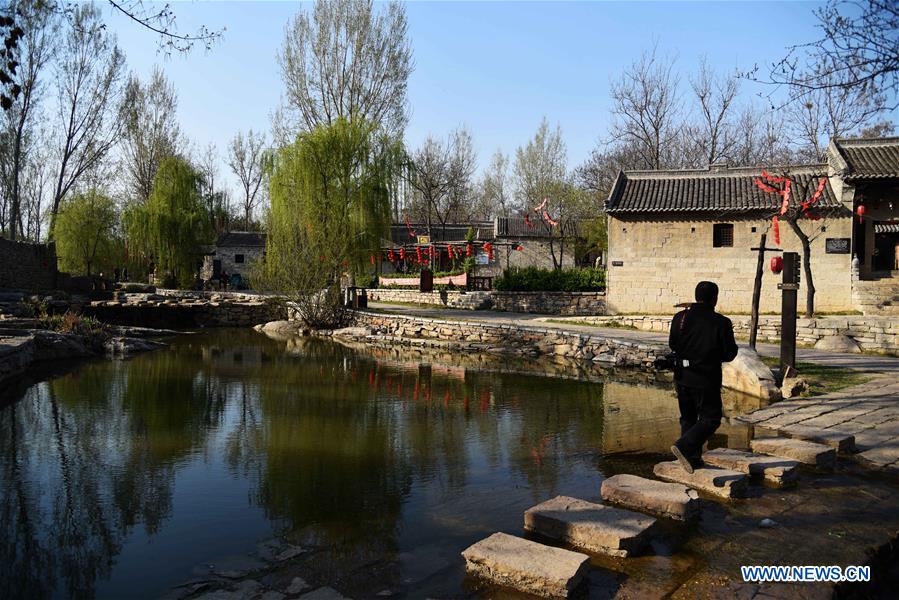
838 343
281 330
749 375
793 387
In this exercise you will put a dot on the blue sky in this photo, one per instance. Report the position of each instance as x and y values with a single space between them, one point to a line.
497 67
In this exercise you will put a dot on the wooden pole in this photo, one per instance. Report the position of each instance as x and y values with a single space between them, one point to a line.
757 293
790 287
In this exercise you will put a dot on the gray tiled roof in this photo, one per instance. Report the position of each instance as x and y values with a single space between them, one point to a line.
452 232
869 158
888 227
720 191
243 239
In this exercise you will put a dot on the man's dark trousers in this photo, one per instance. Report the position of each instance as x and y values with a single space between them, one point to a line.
700 416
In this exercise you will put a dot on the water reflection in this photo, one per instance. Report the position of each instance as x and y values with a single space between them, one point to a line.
138 471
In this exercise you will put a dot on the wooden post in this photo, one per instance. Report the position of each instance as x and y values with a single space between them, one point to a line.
789 287
757 293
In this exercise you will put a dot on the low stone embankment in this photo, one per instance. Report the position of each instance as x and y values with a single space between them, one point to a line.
548 303
747 375
868 333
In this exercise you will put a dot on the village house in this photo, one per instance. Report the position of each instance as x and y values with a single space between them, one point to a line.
672 228
234 253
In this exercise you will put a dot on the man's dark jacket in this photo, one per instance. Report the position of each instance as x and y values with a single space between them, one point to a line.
705 339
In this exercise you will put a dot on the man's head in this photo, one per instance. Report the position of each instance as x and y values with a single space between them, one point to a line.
707 293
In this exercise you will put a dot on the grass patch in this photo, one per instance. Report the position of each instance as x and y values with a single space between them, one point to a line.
823 379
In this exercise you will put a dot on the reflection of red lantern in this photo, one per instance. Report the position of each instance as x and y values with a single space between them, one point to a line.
860 211
777 264
391 255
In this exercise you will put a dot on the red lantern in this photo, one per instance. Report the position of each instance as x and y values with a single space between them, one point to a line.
391 255
402 254
449 250
520 248
860 211
418 254
777 264
468 250
372 260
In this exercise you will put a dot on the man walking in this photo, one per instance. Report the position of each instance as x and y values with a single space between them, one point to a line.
702 339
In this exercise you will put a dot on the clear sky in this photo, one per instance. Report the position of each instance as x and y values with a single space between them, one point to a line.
497 67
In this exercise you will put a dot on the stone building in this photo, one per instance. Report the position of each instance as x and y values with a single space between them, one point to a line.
234 252
670 229
506 234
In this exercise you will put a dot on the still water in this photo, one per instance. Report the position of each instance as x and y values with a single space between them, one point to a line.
125 478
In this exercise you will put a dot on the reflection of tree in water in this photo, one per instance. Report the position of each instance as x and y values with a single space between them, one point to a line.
84 458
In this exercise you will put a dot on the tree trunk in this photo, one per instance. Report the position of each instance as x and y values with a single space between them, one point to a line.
807 268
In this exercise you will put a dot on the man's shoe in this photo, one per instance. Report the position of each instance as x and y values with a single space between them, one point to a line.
683 460
697 463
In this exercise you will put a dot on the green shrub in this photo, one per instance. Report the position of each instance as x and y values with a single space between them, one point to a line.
532 279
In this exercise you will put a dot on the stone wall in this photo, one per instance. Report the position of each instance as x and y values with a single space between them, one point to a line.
873 334
548 303
27 266
551 303
662 260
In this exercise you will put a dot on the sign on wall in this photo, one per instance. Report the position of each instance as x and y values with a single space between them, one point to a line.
837 245
482 258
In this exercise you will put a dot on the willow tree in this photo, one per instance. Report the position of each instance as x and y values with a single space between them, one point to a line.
330 210
85 233
171 228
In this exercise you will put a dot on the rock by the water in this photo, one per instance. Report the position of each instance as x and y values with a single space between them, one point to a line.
793 387
297 585
128 346
672 500
749 375
324 593
526 566
838 343
593 527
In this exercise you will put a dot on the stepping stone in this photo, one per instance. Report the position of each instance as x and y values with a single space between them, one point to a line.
810 453
671 500
526 566
834 437
714 481
593 527
776 470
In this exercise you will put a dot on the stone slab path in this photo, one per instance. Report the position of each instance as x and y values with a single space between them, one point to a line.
593 527
671 500
722 483
774 470
525 565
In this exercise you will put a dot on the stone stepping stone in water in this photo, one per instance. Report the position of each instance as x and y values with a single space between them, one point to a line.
592 527
714 481
810 453
834 437
526 566
671 500
779 471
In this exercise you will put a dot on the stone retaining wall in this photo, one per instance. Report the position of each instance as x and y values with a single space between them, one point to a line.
873 334
547 303
27 266
172 311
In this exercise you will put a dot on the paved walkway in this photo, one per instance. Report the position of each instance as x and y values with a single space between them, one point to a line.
864 362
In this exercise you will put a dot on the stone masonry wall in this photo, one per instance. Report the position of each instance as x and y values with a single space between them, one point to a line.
27 266
663 260
873 334
548 303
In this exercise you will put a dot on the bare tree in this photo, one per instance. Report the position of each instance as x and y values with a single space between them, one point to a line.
246 159
540 166
89 75
40 24
494 194
715 139
150 131
440 173
597 174
858 52
761 138
348 61
646 106
160 19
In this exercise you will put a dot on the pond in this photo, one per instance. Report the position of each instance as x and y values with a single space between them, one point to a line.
125 478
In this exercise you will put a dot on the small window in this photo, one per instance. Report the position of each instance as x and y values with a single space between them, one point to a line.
753 230
238 258
723 235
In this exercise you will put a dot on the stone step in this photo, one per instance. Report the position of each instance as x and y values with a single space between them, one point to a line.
776 470
671 500
714 481
810 453
834 437
526 566
592 527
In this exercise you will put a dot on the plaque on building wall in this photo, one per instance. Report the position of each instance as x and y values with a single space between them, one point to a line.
836 245
617 263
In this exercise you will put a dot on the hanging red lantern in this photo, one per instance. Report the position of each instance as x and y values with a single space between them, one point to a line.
860 211
468 250
391 255
431 251
777 264
372 260
449 250
403 254
418 253
520 248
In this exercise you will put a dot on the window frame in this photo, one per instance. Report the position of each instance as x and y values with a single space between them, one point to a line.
723 235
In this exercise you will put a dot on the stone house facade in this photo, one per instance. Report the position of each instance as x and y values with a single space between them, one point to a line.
670 229
234 253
